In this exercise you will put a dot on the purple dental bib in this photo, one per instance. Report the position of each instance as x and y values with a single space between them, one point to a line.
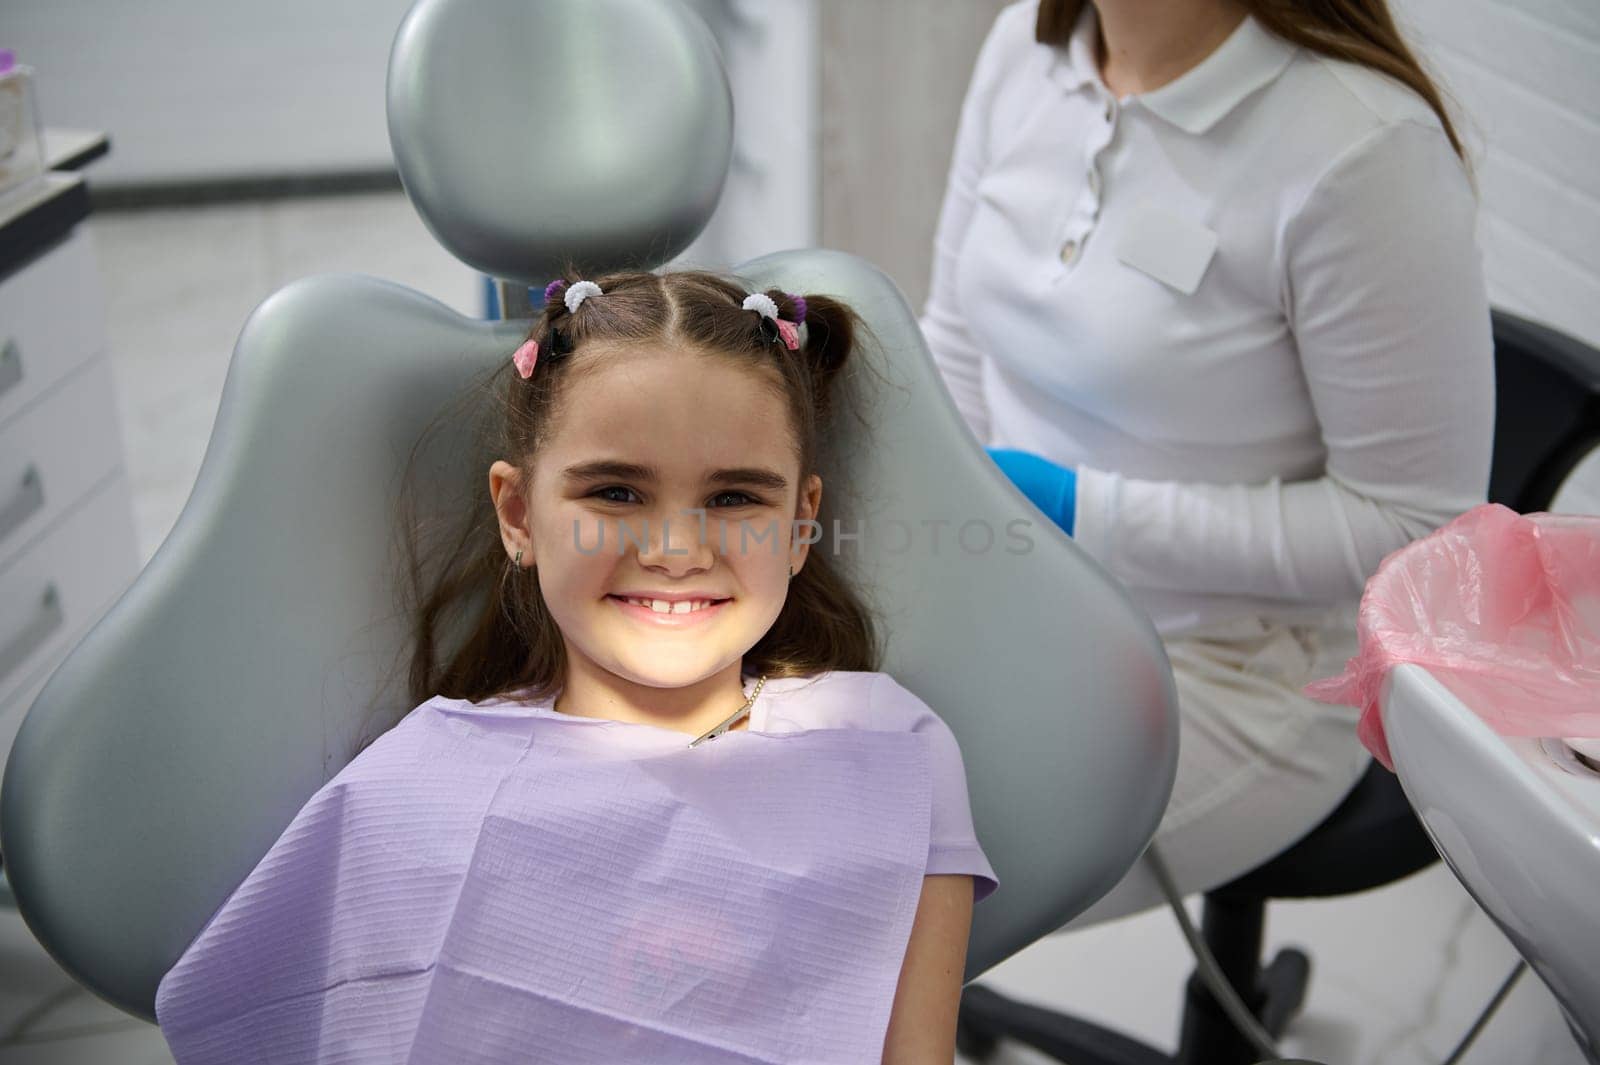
503 883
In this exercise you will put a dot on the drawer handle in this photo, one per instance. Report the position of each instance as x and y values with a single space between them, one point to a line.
28 501
10 364
44 624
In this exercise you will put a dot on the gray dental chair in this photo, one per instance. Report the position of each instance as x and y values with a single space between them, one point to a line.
241 669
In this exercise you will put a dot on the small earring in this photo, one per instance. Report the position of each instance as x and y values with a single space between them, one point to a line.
791 573
518 562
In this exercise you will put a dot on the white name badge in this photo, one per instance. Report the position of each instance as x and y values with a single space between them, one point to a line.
1171 249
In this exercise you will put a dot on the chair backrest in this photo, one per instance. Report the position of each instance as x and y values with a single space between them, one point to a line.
1547 411
237 673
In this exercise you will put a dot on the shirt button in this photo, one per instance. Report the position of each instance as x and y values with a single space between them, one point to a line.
1108 110
1068 250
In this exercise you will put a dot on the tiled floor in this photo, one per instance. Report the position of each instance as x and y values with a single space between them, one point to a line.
1399 974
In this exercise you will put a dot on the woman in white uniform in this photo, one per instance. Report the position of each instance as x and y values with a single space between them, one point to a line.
1206 282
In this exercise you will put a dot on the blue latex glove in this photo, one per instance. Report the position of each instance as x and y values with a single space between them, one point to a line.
1051 488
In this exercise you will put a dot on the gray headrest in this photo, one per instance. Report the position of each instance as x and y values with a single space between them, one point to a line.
609 145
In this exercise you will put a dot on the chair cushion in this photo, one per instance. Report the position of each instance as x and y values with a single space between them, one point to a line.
237 674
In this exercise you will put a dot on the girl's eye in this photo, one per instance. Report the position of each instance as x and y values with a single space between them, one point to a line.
602 493
617 493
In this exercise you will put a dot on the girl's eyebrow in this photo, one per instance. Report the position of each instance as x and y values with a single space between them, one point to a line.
754 476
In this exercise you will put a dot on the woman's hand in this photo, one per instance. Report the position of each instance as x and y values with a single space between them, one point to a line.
1051 488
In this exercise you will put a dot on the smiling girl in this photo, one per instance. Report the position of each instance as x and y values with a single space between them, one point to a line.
658 805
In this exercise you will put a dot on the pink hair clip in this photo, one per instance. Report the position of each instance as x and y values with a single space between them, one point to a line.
790 334
763 305
525 358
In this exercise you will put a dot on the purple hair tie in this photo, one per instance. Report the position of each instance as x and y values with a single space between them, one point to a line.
799 307
553 289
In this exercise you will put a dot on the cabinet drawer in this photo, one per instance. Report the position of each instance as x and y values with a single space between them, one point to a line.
52 319
54 452
62 582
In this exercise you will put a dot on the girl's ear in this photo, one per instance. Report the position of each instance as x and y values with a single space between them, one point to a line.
811 497
511 506
810 504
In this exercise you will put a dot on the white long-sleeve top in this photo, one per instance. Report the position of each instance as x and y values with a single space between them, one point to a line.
1247 306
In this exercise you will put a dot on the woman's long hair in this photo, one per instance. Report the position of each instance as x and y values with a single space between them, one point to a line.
480 627
1356 31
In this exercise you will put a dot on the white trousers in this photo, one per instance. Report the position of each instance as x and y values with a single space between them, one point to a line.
1259 764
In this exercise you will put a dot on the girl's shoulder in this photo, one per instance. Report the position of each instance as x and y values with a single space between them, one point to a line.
842 699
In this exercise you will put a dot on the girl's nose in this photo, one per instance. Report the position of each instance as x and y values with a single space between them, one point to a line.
677 543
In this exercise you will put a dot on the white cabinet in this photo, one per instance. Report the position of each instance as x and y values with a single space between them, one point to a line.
67 543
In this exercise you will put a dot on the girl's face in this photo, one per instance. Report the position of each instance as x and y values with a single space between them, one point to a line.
670 478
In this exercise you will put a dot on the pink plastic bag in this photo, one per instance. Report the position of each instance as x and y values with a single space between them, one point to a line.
1502 608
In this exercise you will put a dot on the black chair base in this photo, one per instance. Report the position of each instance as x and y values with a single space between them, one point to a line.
1208 1035
987 1016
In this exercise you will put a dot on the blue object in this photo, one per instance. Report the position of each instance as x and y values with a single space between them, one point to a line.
1051 488
491 298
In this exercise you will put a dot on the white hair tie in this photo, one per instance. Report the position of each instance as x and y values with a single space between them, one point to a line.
762 303
580 291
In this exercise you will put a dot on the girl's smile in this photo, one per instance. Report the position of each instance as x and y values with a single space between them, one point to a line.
675 611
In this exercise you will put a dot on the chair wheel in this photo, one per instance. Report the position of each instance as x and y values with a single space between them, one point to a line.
1283 984
973 1042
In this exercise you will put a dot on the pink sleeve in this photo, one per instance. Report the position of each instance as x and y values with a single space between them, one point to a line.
952 843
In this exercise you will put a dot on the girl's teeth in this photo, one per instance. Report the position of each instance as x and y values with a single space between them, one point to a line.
661 606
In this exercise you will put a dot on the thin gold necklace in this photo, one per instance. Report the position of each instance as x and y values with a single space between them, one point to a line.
718 730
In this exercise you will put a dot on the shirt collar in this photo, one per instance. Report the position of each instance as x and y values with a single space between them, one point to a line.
1199 98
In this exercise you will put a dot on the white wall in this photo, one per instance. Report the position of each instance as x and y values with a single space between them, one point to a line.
893 75
203 89
1526 75
770 202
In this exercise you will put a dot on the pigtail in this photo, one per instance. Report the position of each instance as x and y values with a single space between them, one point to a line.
827 338
830 331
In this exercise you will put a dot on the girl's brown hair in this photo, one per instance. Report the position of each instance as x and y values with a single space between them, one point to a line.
1357 31
468 584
